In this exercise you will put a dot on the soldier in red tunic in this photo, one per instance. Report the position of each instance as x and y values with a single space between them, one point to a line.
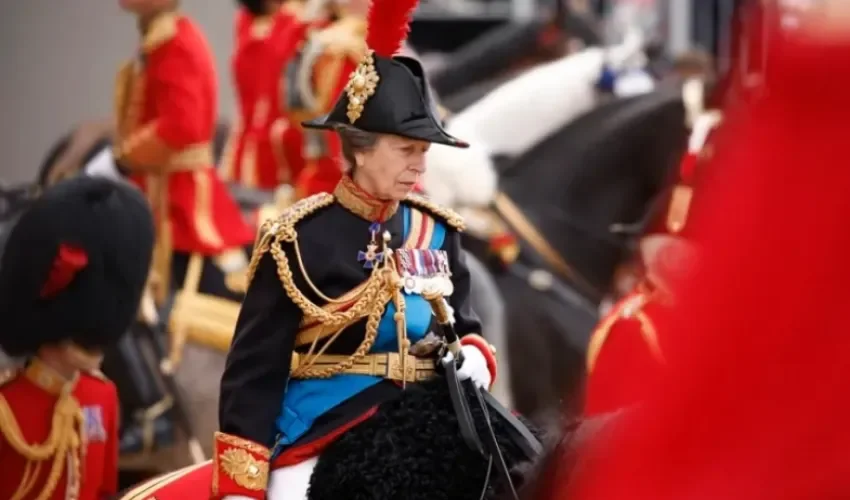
72 276
312 82
268 34
754 407
627 340
166 110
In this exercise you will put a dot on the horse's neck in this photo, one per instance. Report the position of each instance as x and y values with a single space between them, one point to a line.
577 223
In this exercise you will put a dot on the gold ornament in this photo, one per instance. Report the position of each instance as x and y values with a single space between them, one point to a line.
244 469
361 85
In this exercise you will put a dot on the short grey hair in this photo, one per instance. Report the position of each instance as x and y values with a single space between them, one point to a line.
353 141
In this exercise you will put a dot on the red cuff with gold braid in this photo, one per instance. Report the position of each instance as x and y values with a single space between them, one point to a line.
240 467
486 349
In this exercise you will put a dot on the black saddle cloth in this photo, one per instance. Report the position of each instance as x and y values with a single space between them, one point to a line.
412 449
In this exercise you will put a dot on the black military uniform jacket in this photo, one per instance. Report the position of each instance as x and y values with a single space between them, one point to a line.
332 232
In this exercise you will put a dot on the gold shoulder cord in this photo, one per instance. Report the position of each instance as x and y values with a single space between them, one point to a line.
451 217
66 437
632 310
381 287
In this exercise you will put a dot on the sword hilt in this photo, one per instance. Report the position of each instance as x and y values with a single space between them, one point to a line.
441 311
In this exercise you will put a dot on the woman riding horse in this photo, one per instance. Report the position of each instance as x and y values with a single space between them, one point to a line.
332 386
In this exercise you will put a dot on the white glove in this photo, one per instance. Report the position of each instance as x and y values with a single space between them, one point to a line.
474 367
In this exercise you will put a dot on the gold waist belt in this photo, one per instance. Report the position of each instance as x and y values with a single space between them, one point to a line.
385 365
191 158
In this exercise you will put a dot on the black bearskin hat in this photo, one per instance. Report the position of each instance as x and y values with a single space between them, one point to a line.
388 94
75 265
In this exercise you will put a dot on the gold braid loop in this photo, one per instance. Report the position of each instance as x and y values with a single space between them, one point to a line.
65 437
283 228
370 303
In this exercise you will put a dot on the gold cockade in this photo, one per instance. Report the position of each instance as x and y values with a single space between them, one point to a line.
361 85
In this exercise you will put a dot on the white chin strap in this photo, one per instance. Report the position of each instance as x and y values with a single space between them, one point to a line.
103 165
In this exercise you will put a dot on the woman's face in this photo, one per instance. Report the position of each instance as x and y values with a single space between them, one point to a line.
392 168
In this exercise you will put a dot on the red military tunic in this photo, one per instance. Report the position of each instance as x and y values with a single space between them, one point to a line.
255 155
84 425
626 341
315 156
755 407
166 107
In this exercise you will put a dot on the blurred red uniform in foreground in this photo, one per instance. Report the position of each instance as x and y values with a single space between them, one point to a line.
756 405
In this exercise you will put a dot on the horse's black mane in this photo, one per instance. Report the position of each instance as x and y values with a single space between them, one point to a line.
604 168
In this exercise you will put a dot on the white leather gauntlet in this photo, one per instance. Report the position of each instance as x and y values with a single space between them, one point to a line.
474 367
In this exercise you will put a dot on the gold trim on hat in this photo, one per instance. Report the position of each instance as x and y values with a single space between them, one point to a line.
361 85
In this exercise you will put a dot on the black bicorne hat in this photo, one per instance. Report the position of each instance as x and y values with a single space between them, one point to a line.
75 265
388 96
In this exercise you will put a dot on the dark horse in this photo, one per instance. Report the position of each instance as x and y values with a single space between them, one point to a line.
561 199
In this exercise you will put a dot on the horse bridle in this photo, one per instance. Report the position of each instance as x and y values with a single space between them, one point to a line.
528 232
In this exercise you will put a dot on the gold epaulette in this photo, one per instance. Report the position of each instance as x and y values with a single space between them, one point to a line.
162 29
284 225
344 37
448 215
282 228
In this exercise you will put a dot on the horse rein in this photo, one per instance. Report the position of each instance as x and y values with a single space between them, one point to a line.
488 447
516 219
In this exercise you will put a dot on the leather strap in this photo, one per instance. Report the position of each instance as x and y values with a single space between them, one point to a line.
495 453
461 408
530 445
489 449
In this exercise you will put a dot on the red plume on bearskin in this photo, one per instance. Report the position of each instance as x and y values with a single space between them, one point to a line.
69 261
389 24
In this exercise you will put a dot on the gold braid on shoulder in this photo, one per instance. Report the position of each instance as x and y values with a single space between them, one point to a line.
451 217
381 287
66 440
